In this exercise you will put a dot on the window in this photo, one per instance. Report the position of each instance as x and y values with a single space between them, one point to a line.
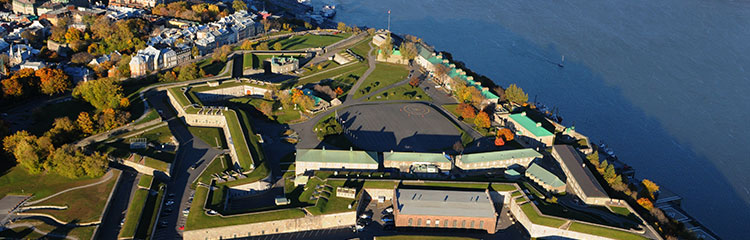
454 223
445 223
411 221
481 224
419 222
427 223
472 224
463 224
437 222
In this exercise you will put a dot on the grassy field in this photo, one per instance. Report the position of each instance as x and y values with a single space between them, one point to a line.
383 76
528 209
600 231
150 211
240 142
84 205
308 41
620 210
319 68
133 216
145 181
157 135
255 61
197 219
284 116
212 68
219 164
362 47
333 73
403 92
19 182
212 136
150 115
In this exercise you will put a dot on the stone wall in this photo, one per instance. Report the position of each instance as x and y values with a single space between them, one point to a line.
273 227
539 231
144 169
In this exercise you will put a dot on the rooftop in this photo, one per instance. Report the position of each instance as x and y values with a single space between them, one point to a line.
445 203
337 156
574 163
500 155
415 157
530 125
545 176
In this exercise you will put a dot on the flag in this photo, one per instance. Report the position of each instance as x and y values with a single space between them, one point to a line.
389 11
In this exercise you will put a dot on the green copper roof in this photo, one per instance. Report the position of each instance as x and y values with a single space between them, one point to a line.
530 125
544 175
337 156
500 155
415 157
512 172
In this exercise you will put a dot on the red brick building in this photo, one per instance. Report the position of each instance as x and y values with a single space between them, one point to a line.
444 209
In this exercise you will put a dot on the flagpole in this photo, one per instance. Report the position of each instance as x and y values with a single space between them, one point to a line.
389 20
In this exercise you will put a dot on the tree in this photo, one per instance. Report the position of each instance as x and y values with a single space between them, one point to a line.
168 76
339 91
73 34
482 120
467 111
84 123
308 25
506 134
102 93
29 155
222 53
371 31
239 5
609 172
124 102
277 46
266 25
458 147
515 94
441 71
414 81
12 87
95 165
650 186
408 50
266 108
65 163
195 52
262 46
593 158
63 131
645 203
341 26
387 47
246 45
603 166
110 119
188 72
52 81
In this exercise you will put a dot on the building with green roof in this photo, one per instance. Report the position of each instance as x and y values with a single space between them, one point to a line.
404 161
497 159
323 159
528 132
544 178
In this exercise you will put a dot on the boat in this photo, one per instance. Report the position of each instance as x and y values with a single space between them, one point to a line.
305 2
328 11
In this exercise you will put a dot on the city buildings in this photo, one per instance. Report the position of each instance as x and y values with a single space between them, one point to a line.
444 209
579 179
322 159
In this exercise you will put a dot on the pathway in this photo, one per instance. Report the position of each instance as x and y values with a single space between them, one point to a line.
105 178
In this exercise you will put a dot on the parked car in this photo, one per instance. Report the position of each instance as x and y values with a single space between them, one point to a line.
387 219
388 210
365 216
170 202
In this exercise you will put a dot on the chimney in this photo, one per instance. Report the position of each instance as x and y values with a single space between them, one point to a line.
351 149
324 148
538 124
523 114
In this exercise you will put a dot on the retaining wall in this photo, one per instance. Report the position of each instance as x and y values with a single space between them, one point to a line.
273 227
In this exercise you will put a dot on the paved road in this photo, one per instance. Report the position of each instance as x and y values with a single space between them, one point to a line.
191 150
110 226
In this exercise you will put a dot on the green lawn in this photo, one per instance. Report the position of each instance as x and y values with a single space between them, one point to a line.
284 116
384 75
145 181
18 181
620 210
320 67
535 218
240 144
600 231
219 164
362 47
212 136
84 205
403 92
150 211
156 164
135 208
333 73
179 95
255 61
308 41
131 88
197 219
157 135
212 68
150 115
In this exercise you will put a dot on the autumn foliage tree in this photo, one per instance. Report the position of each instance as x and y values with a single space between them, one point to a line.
84 123
52 81
467 111
515 94
482 120
339 91
414 81
102 93
650 186
645 203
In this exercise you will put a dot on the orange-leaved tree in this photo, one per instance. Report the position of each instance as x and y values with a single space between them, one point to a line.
482 120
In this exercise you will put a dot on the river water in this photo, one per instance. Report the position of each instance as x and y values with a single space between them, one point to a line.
664 83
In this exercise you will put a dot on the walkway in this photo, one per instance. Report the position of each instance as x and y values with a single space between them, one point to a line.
105 178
